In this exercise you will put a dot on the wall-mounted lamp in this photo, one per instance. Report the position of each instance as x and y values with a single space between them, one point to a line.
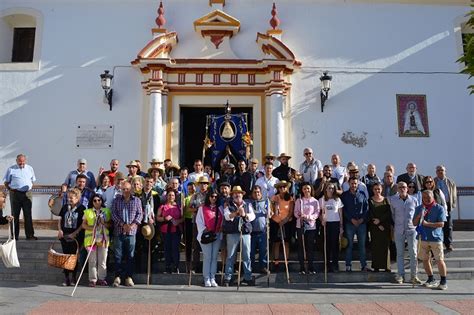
106 82
325 87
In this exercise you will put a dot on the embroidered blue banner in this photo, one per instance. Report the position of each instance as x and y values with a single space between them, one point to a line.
225 133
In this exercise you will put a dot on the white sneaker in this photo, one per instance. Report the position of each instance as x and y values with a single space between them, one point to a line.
431 284
214 283
129 282
442 286
116 283
398 279
207 283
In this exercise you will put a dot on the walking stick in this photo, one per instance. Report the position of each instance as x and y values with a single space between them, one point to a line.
88 255
420 223
224 238
268 245
149 264
284 254
240 257
191 262
325 256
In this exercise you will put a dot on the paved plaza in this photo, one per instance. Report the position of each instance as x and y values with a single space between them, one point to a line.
363 298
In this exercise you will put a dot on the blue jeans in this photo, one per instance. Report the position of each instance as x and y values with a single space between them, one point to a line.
361 232
124 247
259 240
233 241
171 250
209 259
400 244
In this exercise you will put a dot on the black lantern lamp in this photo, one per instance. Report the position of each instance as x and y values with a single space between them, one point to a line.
106 82
325 87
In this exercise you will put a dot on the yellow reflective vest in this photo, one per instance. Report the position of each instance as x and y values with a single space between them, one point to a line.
101 232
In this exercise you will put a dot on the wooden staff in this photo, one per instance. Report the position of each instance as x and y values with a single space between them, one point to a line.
148 275
268 244
240 257
325 259
303 243
284 254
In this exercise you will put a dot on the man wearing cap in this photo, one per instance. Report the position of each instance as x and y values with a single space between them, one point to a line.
111 192
355 212
238 215
70 180
19 180
411 176
283 171
114 165
127 215
268 182
311 169
448 187
354 172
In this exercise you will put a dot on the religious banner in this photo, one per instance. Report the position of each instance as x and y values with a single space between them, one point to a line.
412 116
227 135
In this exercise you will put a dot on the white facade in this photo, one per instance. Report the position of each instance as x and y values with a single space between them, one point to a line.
373 52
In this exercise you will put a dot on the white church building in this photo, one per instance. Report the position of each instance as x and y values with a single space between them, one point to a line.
396 93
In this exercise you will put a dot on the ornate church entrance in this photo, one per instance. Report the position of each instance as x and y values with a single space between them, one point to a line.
193 128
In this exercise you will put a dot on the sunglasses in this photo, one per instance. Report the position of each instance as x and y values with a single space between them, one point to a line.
213 196
429 181
97 200
308 153
411 186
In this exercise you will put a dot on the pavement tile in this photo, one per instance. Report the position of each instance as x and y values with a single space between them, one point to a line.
246 309
360 308
406 308
293 309
162 309
198 309
460 306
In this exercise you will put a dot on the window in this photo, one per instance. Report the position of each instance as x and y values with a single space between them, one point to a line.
23 44
20 39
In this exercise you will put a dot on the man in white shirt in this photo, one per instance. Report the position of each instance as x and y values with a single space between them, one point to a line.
338 171
267 182
311 168
111 192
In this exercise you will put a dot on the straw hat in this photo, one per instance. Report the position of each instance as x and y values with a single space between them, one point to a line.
344 242
281 184
148 231
151 169
283 155
237 190
353 168
202 180
132 163
270 155
155 161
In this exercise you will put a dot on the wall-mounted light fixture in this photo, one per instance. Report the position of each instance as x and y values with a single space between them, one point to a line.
325 87
106 82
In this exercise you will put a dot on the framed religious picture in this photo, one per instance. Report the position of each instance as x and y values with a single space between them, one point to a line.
412 116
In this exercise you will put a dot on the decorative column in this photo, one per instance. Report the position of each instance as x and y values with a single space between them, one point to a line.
277 129
155 131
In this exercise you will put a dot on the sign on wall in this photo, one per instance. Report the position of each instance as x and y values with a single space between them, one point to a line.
94 136
412 116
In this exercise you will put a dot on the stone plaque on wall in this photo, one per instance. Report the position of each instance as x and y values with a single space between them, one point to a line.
94 136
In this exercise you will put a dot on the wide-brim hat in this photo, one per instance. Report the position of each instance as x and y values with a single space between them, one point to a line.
132 163
282 183
283 155
353 168
237 190
148 231
155 161
202 180
270 155
173 168
151 169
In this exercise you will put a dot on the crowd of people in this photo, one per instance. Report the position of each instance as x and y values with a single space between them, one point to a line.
260 208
